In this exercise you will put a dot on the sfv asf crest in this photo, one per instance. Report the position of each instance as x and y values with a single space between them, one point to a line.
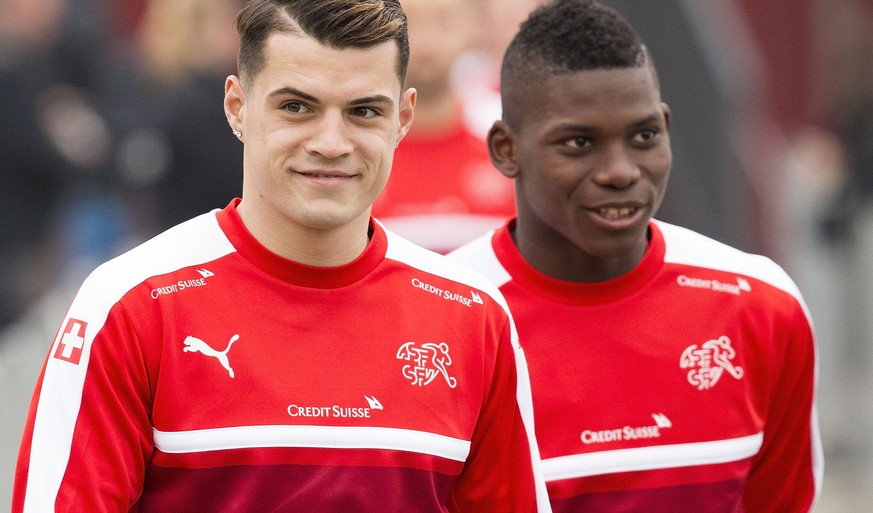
709 361
426 363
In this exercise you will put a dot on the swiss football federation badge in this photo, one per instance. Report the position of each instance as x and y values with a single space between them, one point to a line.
72 341
426 363
708 361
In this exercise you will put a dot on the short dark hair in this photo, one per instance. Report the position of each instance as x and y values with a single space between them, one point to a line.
335 23
566 36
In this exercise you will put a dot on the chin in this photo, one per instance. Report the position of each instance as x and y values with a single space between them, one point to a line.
324 219
623 245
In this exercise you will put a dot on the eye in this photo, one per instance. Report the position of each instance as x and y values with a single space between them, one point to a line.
577 142
365 112
296 108
648 135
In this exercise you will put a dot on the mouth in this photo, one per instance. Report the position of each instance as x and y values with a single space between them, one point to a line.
326 178
612 213
324 174
321 175
617 217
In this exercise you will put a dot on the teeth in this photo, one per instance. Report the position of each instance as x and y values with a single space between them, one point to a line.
615 213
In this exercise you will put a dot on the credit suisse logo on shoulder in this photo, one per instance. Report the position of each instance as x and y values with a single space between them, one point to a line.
460 297
182 285
741 285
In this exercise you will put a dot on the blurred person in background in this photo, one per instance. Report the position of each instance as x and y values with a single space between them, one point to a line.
443 190
478 71
173 152
109 135
830 208
848 117
55 142
206 163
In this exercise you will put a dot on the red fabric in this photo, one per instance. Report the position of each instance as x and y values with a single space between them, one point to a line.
446 188
216 375
614 386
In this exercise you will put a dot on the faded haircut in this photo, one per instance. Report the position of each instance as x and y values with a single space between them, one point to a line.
335 23
566 36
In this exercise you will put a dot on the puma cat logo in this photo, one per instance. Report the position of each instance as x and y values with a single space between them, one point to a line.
192 345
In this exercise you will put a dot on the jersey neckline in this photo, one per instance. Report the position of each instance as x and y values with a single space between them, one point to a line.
297 273
561 291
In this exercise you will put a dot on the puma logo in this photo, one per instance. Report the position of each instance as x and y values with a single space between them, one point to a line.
192 345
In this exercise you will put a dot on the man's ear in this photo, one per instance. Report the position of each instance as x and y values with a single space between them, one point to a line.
407 112
668 115
501 147
234 103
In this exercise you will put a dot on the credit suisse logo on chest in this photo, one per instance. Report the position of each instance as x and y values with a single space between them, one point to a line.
457 297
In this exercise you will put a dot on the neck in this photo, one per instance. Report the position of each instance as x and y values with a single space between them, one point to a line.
317 247
559 257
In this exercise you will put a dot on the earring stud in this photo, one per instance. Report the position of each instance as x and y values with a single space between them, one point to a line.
236 132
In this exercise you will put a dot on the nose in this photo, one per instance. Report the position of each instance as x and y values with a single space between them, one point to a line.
617 169
329 137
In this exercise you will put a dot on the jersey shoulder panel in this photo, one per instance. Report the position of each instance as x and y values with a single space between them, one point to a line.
479 255
193 242
406 252
62 386
687 247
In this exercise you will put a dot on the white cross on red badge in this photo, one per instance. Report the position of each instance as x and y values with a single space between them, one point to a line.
72 341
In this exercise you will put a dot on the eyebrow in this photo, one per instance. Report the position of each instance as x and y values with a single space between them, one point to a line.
648 120
586 128
378 98
291 91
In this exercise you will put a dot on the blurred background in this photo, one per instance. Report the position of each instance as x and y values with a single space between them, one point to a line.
112 129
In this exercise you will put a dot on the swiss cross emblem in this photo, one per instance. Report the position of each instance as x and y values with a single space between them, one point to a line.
72 340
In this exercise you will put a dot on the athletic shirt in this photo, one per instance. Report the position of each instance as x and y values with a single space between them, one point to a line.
443 190
686 384
201 372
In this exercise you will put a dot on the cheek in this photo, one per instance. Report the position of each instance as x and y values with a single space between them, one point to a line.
543 193
555 176
665 158
662 169
377 150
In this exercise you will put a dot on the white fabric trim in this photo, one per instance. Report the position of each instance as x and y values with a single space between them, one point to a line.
687 247
60 397
652 458
324 437
442 231
402 250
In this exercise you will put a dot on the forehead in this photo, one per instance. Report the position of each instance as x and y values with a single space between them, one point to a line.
300 61
591 97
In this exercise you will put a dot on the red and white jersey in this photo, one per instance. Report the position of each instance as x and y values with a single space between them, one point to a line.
201 372
685 385
444 191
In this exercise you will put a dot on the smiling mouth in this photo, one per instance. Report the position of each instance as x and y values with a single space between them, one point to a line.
323 175
616 213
